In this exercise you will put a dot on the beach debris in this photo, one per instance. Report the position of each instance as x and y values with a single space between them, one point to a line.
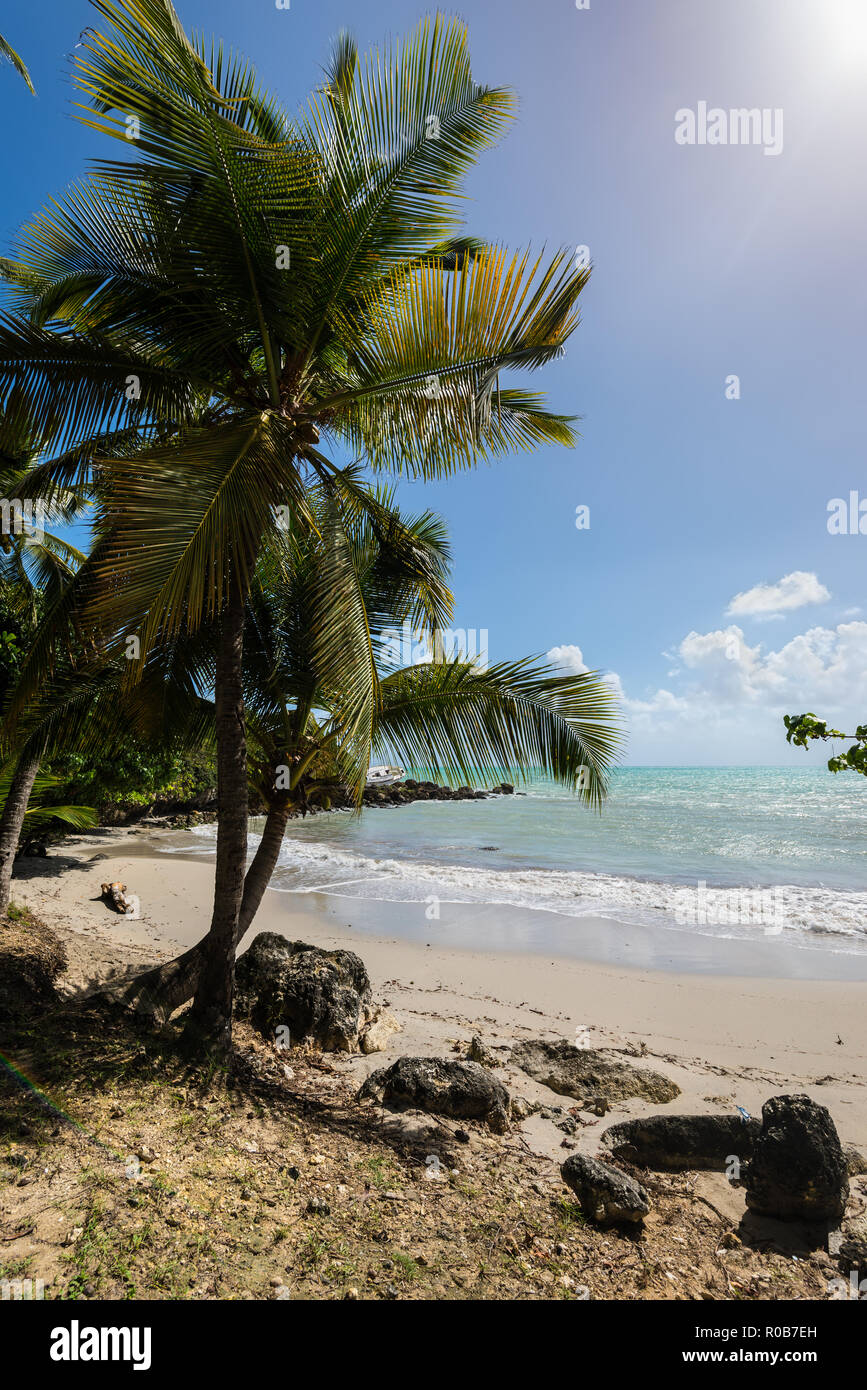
598 1105
482 1054
605 1195
855 1161
116 894
521 1107
299 994
744 1114
673 1142
852 1251
588 1075
797 1171
441 1086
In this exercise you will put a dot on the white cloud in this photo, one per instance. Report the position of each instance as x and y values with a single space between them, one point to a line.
570 659
771 600
734 695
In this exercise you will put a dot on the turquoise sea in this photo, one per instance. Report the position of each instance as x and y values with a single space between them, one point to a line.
668 839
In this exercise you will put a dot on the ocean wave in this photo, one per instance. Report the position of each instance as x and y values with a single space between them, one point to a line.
310 866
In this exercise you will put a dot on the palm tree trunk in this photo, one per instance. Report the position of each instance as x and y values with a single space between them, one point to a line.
157 993
12 820
210 1021
263 865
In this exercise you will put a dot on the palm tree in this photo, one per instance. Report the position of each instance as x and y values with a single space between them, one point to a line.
449 719
35 568
246 293
6 51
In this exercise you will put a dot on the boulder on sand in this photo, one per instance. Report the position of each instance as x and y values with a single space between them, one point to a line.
440 1086
672 1142
798 1169
588 1075
317 996
606 1195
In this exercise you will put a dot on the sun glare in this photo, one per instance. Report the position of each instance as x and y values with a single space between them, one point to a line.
845 22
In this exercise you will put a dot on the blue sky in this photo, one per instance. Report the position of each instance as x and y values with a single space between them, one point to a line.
708 261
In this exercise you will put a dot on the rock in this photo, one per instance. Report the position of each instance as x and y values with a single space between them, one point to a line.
852 1254
855 1161
521 1108
440 1086
606 1195
797 1171
316 996
588 1075
481 1054
376 1033
671 1142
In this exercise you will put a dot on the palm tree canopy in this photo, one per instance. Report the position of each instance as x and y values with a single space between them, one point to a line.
246 290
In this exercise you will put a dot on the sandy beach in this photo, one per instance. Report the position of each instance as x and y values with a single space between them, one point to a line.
726 1038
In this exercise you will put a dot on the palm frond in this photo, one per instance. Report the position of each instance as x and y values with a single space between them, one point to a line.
7 51
455 720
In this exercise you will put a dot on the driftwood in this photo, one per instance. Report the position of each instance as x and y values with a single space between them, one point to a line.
116 894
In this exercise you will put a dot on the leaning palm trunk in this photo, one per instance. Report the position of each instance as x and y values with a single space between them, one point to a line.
211 1017
12 820
158 993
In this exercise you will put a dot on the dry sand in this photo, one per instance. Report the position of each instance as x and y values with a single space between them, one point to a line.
725 1039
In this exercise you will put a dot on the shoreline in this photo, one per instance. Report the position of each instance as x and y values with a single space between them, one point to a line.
726 1038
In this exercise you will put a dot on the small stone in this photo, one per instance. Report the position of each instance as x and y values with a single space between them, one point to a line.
605 1194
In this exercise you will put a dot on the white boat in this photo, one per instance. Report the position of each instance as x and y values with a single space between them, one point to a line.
385 776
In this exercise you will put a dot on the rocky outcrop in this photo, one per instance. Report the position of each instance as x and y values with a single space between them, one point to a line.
179 815
294 993
672 1142
605 1195
589 1076
440 1086
798 1170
